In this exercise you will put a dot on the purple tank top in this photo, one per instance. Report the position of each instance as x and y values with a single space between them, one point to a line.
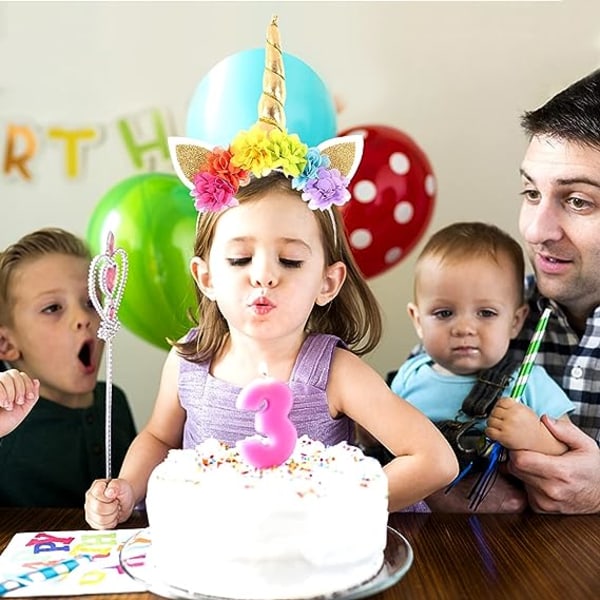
210 402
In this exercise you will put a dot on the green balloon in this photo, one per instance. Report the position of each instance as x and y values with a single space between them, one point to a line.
152 217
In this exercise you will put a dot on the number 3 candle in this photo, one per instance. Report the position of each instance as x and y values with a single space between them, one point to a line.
272 400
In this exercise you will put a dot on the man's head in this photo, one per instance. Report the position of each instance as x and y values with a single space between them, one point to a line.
560 214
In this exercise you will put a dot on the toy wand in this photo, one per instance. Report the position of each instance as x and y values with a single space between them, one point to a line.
106 278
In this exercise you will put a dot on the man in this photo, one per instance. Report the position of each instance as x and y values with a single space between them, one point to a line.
560 226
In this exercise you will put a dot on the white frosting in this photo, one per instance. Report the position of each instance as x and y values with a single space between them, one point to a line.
312 526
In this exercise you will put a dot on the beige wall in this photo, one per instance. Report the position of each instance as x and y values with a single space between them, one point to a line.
453 75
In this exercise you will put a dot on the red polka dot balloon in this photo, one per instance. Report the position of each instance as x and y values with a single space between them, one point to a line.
393 194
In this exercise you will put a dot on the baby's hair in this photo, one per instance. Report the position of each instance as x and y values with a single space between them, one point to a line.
353 315
49 240
467 240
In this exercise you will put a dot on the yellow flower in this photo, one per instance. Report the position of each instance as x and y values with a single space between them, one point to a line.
288 153
250 151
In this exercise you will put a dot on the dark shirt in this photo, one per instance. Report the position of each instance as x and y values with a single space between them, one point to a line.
53 456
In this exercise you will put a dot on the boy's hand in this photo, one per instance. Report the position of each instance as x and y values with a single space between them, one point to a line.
18 395
108 502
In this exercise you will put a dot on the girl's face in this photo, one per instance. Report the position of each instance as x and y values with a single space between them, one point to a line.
467 312
266 267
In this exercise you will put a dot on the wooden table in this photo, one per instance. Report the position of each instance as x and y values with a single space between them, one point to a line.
456 557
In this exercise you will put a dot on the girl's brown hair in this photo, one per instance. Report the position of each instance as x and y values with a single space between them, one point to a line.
353 315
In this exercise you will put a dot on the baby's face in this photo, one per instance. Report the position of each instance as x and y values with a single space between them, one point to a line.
54 326
467 311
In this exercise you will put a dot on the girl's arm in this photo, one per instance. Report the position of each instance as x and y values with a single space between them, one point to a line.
424 461
110 502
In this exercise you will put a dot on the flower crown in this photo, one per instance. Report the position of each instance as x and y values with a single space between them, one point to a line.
214 175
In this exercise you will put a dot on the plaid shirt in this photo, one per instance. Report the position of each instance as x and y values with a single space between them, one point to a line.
572 362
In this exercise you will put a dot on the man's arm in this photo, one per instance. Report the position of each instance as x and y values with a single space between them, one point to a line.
568 484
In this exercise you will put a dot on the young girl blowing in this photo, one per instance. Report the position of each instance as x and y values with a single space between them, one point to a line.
277 286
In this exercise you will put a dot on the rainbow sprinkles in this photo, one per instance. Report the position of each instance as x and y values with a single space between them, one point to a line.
214 175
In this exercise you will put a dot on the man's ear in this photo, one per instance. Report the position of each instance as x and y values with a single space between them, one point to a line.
8 350
199 269
334 278
415 317
518 320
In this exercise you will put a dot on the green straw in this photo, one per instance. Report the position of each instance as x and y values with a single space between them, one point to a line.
529 360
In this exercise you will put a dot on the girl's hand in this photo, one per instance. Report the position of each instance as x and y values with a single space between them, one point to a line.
108 502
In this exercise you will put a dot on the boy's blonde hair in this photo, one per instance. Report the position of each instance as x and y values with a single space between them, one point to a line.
466 240
49 240
353 316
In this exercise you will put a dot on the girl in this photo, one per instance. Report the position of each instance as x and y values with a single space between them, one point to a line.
277 286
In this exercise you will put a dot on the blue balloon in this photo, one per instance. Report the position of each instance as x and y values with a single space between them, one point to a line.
226 100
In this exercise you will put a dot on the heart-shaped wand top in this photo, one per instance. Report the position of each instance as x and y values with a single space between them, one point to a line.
106 283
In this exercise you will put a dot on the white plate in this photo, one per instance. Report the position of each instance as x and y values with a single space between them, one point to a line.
398 557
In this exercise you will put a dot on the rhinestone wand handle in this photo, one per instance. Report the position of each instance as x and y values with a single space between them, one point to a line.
106 283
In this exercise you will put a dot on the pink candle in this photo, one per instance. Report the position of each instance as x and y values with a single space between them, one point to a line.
272 400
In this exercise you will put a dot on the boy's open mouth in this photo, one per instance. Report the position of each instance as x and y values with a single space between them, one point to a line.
85 354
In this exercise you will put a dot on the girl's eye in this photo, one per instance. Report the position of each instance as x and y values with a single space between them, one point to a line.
239 262
291 264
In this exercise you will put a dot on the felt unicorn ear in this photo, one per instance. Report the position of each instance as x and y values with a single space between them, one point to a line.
188 157
344 153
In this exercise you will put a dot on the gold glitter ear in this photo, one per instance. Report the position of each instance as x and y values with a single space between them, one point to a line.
187 156
344 153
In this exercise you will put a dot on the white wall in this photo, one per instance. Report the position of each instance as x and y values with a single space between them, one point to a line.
455 76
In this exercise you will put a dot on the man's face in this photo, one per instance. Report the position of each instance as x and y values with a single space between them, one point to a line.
560 222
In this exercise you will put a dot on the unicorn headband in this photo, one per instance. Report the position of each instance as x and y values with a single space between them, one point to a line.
321 173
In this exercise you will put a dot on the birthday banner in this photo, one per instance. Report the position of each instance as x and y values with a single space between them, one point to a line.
144 137
66 563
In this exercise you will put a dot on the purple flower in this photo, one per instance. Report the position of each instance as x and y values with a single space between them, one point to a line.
327 188
314 160
212 193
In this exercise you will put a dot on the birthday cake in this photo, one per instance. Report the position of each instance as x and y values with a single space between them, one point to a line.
315 525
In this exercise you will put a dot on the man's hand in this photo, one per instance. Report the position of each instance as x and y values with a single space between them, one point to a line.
569 483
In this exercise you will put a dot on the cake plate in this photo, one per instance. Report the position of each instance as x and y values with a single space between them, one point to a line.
398 557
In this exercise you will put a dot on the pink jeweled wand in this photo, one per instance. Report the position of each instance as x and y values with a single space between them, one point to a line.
106 278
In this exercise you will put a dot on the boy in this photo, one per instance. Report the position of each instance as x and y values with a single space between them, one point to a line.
49 344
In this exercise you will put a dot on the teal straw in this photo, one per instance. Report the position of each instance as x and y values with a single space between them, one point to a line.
529 360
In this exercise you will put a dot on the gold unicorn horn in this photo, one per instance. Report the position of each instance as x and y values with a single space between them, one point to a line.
271 113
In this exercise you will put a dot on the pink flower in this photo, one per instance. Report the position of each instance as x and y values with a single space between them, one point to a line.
212 193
